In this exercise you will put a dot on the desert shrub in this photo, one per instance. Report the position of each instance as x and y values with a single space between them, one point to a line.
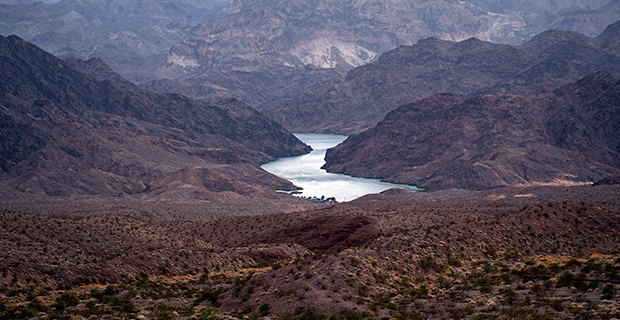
490 252
427 263
208 314
303 313
162 311
454 262
510 296
362 290
419 292
608 291
67 299
578 281
210 295
350 315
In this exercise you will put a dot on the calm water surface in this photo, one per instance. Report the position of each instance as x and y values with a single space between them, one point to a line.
305 172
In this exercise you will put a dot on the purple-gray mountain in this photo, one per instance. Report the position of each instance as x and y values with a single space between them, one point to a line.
64 133
409 73
565 137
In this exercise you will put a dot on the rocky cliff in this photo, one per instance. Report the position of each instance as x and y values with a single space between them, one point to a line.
325 33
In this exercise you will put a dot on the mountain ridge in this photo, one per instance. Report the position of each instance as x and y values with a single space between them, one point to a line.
130 35
493 140
66 133
410 73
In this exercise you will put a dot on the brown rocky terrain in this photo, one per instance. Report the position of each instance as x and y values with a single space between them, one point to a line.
117 203
409 73
64 133
447 141
504 253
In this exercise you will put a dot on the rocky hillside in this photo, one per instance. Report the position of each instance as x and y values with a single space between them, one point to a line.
569 136
66 133
410 73
496 254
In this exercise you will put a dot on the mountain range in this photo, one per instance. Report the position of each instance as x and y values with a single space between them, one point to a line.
65 133
346 34
131 36
409 73
263 52
271 42
566 137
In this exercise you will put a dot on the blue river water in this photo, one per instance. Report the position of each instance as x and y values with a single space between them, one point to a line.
305 171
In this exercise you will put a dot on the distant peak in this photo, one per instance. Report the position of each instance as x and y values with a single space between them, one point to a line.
612 31
12 39
559 34
612 28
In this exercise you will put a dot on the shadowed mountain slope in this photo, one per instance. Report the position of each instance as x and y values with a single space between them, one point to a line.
98 69
64 132
570 136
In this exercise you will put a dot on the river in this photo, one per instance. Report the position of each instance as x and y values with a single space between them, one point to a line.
305 171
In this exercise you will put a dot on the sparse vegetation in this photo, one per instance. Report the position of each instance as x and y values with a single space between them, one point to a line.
444 260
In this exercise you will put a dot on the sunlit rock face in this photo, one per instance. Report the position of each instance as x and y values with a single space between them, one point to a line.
346 34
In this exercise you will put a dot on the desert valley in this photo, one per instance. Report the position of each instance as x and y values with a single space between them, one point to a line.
145 148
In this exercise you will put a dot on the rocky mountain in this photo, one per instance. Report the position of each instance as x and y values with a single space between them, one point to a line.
266 51
335 34
517 21
130 35
409 73
65 133
135 37
346 34
569 136
326 34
